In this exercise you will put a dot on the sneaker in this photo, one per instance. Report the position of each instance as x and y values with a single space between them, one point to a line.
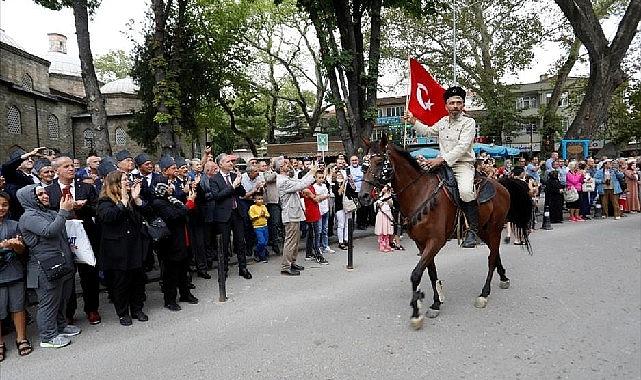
125 321
309 257
57 342
264 261
617 217
173 306
321 260
329 250
70 330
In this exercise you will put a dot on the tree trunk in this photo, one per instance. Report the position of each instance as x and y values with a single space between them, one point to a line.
162 118
605 61
95 100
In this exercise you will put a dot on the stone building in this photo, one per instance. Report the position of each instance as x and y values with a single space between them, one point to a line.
42 102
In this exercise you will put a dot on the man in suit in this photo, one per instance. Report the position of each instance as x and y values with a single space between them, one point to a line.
226 190
17 174
85 200
149 177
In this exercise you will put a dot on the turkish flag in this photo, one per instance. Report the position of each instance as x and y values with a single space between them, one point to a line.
426 95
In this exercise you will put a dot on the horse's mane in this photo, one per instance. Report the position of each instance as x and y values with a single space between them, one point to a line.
408 157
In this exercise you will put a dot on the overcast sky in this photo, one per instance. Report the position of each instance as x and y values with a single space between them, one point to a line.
29 24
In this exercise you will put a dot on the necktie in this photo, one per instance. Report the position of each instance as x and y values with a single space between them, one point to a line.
233 198
66 190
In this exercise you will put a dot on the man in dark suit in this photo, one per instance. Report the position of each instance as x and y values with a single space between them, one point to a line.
17 174
226 190
149 177
85 200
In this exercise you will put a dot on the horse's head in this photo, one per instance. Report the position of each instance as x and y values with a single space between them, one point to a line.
378 174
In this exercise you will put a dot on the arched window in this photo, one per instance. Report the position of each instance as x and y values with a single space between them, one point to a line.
121 136
53 127
27 82
14 125
87 138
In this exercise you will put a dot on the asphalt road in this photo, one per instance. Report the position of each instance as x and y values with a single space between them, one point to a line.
573 311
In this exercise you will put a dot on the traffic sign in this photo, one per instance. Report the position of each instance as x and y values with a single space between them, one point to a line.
322 141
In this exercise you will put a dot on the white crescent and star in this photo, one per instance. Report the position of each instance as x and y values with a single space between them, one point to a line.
420 88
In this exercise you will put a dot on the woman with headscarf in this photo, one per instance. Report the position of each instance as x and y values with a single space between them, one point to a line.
554 197
51 263
173 250
124 242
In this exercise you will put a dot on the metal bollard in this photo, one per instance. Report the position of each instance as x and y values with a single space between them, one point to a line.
222 278
350 244
546 219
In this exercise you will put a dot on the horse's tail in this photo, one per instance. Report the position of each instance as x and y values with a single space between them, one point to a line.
520 209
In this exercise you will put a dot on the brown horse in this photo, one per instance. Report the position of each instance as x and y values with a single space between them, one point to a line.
432 217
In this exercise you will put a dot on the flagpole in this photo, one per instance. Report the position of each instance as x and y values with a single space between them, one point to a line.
407 100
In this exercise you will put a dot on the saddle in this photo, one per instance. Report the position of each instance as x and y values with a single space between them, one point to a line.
484 189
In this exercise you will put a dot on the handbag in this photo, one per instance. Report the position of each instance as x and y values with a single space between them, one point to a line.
350 205
55 267
79 242
158 229
588 187
571 194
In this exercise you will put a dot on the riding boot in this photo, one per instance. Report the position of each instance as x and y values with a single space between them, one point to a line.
471 210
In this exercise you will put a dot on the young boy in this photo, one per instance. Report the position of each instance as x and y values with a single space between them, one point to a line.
258 214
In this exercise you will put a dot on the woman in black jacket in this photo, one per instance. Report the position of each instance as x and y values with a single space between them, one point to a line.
173 250
124 243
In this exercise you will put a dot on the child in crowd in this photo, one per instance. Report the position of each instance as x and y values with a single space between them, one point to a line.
258 214
384 227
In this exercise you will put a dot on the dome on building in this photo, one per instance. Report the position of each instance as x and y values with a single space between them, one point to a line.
120 86
61 62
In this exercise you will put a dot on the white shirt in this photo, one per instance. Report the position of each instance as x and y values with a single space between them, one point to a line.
322 190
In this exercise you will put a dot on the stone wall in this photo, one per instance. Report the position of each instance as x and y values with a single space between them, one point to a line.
113 123
68 84
122 103
14 63
27 103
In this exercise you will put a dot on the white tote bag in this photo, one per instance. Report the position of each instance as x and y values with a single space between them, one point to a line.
79 242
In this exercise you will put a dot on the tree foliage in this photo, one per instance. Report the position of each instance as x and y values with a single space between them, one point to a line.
115 64
494 39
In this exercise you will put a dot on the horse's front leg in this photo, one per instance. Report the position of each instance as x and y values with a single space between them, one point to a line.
493 243
427 257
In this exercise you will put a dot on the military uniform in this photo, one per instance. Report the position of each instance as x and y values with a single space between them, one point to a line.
455 140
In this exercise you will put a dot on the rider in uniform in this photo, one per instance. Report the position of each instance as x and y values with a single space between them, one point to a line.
456 134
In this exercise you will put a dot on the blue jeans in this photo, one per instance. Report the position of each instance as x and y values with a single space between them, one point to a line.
262 238
324 240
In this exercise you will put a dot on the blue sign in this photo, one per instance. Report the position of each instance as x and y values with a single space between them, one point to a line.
389 120
578 149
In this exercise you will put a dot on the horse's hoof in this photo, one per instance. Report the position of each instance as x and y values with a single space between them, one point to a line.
417 323
504 284
431 313
480 302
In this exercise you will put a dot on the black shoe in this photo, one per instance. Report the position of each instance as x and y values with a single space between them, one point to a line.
203 274
309 257
125 321
173 306
191 286
321 260
141 316
190 299
245 274
470 239
297 267
290 272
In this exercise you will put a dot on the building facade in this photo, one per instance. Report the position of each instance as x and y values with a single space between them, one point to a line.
42 102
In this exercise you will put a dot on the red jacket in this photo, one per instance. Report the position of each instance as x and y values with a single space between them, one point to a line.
312 211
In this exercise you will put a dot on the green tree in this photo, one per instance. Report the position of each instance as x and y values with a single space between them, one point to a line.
115 64
494 38
605 58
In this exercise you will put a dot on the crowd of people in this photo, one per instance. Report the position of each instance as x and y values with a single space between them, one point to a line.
138 214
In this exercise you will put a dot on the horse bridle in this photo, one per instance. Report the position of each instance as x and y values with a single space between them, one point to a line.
386 175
